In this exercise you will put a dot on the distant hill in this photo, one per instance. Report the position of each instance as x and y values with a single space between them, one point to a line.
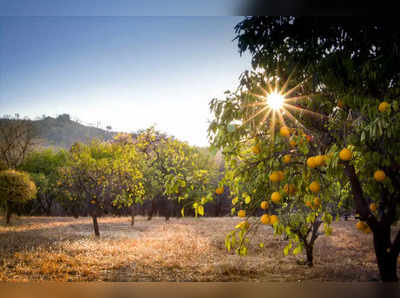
63 132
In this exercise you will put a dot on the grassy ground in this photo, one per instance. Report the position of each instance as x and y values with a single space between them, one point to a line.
186 249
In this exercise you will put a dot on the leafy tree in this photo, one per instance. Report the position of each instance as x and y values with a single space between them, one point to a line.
268 168
43 166
101 174
176 171
15 188
343 76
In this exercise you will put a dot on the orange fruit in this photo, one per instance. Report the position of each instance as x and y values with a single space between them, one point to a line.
284 131
265 219
379 175
346 154
317 202
273 219
274 177
292 143
276 197
242 213
311 162
309 204
372 207
340 104
219 190
286 158
315 187
383 106
361 225
264 205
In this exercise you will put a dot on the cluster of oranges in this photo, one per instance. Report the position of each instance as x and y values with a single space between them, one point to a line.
267 219
316 161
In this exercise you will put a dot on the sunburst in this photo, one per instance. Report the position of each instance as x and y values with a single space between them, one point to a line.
278 105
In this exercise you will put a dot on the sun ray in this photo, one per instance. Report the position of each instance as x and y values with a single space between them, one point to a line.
298 109
294 88
281 118
255 115
294 119
295 98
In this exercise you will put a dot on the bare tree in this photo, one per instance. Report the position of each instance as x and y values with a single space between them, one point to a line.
16 140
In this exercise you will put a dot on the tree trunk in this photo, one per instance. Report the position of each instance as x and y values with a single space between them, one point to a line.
168 209
150 214
309 254
8 213
96 226
386 258
133 215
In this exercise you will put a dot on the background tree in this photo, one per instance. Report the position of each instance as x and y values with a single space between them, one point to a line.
352 70
43 167
15 188
16 141
102 174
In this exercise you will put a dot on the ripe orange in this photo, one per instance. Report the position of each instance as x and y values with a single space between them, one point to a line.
275 197
311 162
264 205
361 225
346 154
292 143
265 219
372 207
289 189
274 177
315 187
309 204
273 219
286 158
242 213
383 106
317 202
219 190
284 131
379 175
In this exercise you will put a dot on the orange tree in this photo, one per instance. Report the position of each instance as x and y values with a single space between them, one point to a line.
100 174
278 169
15 188
174 170
344 82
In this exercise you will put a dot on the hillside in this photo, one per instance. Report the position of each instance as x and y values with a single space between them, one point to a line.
63 132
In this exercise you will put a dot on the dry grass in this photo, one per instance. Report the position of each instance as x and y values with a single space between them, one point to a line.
186 249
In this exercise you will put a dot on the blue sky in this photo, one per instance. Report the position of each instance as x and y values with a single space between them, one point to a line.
127 72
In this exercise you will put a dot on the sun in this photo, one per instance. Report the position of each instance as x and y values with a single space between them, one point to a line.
275 101
277 104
